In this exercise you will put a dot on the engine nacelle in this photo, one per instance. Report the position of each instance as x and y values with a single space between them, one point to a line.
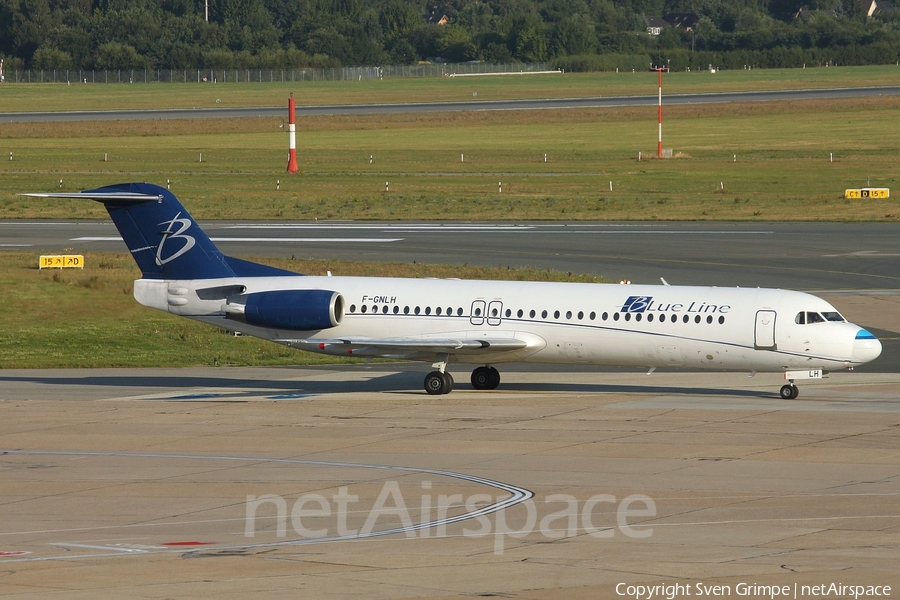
300 310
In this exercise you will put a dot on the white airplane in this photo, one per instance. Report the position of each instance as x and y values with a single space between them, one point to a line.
477 322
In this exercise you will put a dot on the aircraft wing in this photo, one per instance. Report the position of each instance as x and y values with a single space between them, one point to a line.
409 345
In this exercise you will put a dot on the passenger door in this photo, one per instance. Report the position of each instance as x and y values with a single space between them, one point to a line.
764 332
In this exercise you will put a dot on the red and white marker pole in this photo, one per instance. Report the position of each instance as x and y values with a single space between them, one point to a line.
292 138
659 72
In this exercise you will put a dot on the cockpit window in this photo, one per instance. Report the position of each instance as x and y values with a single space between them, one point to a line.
807 317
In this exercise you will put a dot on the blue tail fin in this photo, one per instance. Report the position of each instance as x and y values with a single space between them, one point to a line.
163 238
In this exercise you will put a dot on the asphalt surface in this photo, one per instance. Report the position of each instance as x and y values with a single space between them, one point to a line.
800 256
476 105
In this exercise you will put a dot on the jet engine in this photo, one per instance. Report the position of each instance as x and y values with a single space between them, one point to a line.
299 310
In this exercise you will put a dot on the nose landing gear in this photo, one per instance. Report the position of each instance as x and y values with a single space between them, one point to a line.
789 391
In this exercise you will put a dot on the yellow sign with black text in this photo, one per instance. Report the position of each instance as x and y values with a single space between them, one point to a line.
62 261
868 193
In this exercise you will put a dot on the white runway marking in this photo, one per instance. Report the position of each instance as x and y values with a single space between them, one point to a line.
413 227
113 238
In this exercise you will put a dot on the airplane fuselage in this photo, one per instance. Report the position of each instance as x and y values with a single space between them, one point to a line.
650 326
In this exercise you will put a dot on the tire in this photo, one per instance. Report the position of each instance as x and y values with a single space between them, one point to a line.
495 378
435 383
482 378
789 392
448 382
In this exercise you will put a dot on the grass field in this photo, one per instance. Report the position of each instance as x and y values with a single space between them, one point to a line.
759 161
88 318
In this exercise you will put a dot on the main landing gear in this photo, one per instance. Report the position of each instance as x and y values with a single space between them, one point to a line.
437 383
789 391
485 378
441 382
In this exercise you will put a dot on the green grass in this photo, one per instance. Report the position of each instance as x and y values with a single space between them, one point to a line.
758 161
88 318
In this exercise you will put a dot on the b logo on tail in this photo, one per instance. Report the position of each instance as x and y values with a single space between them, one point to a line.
168 234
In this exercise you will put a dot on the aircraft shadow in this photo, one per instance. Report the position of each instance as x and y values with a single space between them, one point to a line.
188 387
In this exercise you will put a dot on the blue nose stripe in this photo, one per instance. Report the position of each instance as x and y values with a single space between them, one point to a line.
862 334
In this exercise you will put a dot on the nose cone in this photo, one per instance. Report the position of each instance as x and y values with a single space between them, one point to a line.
866 347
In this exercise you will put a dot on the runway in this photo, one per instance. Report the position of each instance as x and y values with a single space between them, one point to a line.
801 256
433 107
148 483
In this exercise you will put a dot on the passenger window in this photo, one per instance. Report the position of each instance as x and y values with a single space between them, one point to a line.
438 311
508 313
519 313
459 312
384 309
686 318
604 316
556 314
593 315
478 312
637 317
721 320
405 310
396 309
697 319
417 310
365 308
709 319
543 314
650 318
531 314
627 316
427 310
568 314
353 308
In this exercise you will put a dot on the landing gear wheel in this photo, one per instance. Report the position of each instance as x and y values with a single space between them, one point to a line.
789 392
437 383
448 382
485 378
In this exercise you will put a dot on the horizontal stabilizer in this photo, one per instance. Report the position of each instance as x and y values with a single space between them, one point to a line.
99 196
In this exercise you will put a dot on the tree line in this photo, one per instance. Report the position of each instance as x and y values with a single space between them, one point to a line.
572 34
